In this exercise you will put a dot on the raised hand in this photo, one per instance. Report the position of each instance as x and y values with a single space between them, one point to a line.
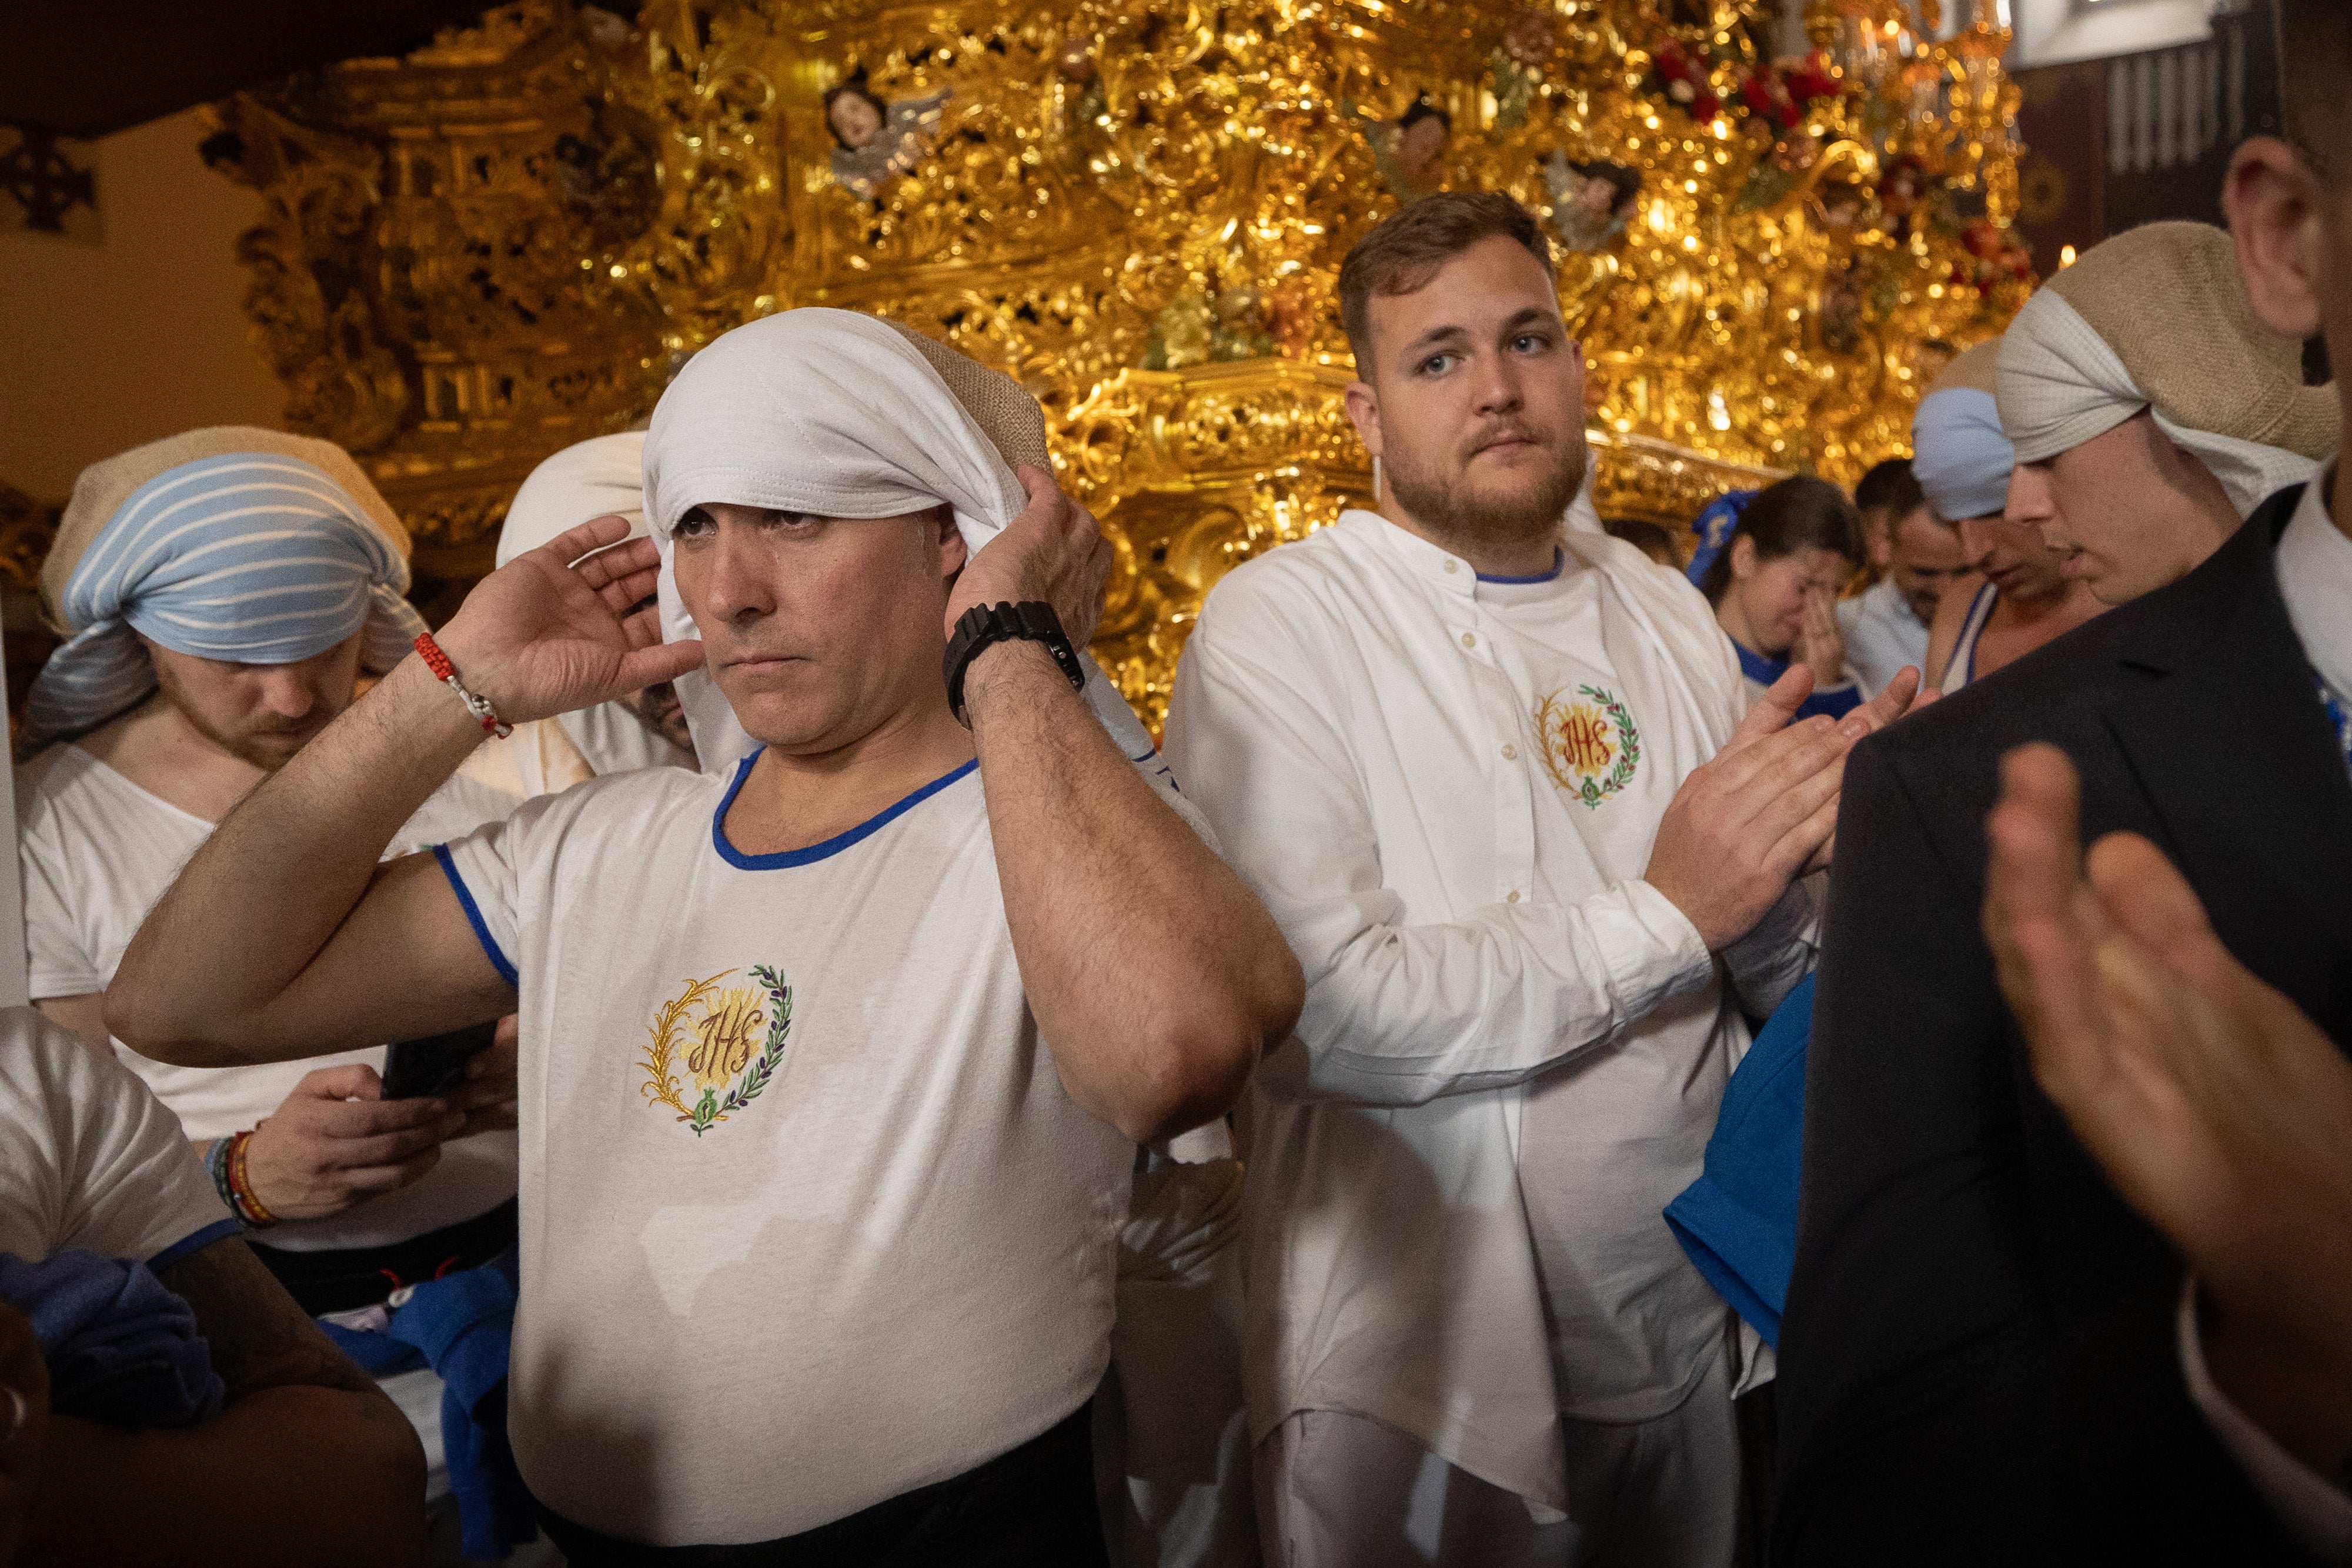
2217 1109
557 628
1822 642
1053 551
335 1142
1764 811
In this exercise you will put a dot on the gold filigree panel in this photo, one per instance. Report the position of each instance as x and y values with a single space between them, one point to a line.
503 243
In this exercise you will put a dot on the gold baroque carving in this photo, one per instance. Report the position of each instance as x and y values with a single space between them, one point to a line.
504 242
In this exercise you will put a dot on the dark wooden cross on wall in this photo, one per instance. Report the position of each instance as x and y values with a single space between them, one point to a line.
37 175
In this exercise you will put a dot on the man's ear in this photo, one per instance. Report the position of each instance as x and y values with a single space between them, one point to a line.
1364 413
953 551
2276 222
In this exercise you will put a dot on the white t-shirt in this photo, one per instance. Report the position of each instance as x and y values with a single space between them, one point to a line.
98 852
95 1161
1607 1140
776 1274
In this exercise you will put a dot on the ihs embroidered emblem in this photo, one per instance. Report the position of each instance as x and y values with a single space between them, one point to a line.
727 1057
1591 748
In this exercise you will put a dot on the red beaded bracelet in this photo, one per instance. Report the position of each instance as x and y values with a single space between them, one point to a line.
240 1185
447 673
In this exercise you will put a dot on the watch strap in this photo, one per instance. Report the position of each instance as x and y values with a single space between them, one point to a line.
986 625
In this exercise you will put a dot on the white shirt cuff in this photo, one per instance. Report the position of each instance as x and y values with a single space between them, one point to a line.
2316 1513
1652 950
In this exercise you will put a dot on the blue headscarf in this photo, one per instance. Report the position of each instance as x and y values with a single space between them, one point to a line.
1959 455
250 557
1714 528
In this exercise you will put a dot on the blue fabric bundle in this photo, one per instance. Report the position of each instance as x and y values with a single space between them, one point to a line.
122 1347
462 1326
1738 1220
1714 525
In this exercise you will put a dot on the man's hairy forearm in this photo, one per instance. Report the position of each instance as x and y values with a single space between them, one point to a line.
1155 975
258 899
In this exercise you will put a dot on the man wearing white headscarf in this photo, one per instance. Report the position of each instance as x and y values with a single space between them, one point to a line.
2150 412
221 591
1962 461
834 1062
600 477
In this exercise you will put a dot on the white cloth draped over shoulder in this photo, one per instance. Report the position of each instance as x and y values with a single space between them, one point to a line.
831 413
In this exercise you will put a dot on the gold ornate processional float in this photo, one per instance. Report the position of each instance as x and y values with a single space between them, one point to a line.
504 242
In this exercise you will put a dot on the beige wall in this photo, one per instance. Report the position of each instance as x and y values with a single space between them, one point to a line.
143 334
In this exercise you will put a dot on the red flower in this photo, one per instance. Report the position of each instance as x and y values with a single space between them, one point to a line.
1811 79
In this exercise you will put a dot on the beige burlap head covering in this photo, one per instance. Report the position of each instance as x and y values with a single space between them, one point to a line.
231 543
2156 318
1973 370
831 413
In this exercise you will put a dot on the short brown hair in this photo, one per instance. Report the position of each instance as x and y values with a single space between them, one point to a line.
1409 246
2315 40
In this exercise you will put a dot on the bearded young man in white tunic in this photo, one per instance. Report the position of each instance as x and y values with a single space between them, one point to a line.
832 1061
1464 754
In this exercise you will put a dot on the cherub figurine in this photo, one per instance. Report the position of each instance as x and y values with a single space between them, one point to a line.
1589 201
875 140
1406 149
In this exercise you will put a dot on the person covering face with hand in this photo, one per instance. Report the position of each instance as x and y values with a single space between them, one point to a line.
1499 782
1775 588
855 1035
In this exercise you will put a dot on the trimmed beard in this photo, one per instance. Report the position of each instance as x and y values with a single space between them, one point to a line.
1456 512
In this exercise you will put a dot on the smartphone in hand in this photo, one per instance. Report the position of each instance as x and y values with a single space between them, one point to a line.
415 1068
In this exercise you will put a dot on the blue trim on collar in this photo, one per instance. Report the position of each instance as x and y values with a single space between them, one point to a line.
1761 668
1559 562
784 860
194 1241
498 959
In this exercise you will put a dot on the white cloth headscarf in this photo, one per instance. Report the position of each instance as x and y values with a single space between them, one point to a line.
2060 385
2157 319
834 414
602 476
593 478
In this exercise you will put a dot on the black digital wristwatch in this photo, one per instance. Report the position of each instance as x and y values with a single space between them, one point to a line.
986 624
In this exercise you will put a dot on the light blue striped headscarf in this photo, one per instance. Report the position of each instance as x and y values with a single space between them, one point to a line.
254 558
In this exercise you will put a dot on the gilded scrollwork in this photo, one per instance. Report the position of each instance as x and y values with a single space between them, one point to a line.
505 242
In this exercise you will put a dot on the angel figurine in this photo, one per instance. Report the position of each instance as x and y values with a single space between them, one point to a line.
874 140
1406 150
1589 201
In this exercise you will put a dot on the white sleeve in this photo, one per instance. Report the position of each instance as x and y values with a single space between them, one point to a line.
482 871
1399 1014
129 1182
58 964
2316 1514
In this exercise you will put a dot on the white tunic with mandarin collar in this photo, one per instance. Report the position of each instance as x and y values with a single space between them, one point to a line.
1513 1048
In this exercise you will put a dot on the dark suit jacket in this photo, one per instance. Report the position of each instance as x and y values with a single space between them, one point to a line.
1977 1363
